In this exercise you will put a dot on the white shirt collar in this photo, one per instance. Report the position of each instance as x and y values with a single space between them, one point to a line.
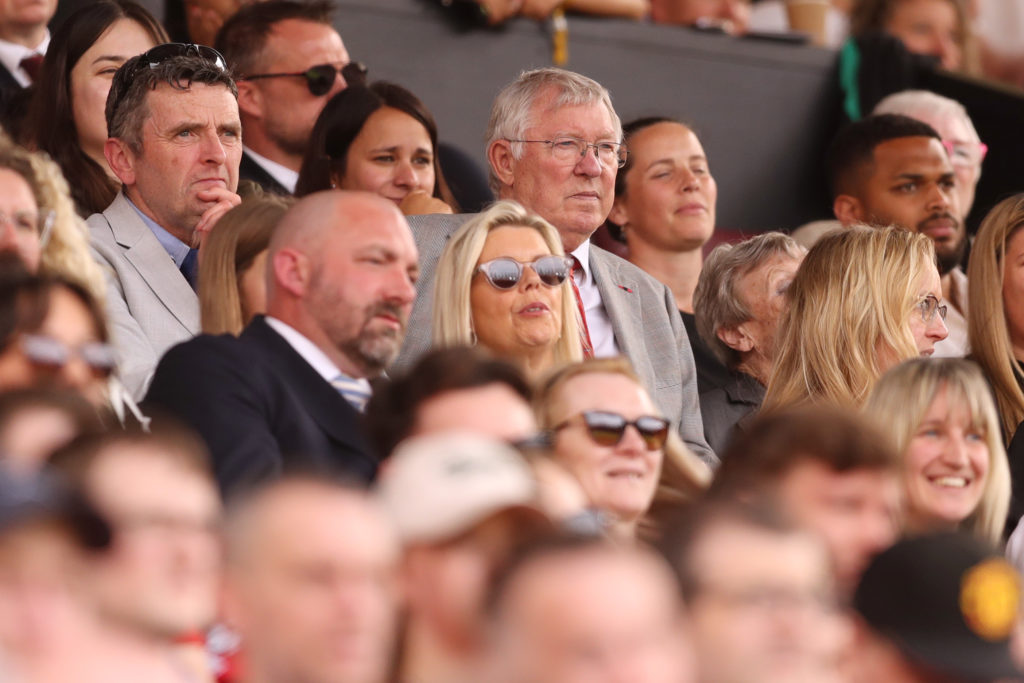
11 55
282 174
309 351
582 254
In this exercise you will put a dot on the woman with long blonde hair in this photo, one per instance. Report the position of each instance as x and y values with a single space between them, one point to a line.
502 283
863 300
941 418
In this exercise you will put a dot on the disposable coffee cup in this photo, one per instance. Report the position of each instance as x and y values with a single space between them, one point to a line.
808 16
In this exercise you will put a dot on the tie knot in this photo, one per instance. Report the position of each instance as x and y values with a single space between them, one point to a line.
31 65
355 391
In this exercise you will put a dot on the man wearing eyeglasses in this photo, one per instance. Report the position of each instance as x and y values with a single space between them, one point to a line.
175 142
288 61
554 146
889 169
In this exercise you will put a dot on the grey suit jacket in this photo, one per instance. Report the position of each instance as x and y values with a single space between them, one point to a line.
646 323
149 303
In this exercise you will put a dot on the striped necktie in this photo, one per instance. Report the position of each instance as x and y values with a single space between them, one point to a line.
588 347
356 392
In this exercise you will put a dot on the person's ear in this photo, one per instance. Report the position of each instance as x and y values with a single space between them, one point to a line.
503 164
121 159
250 99
848 209
736 338
619 214
292 271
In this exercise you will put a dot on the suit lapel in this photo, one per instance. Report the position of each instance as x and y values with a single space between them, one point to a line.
618 294
250 170
152 263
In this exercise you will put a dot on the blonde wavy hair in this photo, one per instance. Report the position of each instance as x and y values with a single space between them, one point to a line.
453 314
988 332
849 307
900 400
66 254
683 477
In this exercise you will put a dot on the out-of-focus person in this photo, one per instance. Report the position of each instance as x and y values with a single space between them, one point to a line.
65 117
378 138
233 267
951 121
36 421
311 583
943 607
24 40
156 586
53 334
287 60
664 210
760 596
503 280
288 392
890 169
941 417
580 610
829 471
936 28
457 389
178 177
728 16
770 16
462 504
610 436
494 12
739 300
554 145
874 294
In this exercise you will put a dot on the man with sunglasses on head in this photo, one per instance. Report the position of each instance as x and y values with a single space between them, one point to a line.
889 169
555 146
288 61
174 143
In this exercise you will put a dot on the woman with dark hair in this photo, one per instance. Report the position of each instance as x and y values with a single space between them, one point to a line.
937 28
66 116
377 138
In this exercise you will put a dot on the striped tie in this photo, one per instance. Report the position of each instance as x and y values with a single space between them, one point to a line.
355 391
588 347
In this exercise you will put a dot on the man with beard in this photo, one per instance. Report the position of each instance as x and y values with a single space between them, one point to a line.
893 170
286 394
288 62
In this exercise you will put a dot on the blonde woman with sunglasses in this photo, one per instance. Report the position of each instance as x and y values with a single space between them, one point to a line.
503 284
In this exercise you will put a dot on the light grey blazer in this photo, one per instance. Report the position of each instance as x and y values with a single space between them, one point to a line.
647 326
150 305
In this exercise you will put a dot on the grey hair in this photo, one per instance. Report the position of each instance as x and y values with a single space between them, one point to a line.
914 103
127 105
716 302
513 107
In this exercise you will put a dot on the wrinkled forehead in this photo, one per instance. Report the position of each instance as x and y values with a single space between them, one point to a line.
557 112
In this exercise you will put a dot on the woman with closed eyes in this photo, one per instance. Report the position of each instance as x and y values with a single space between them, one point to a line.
502 284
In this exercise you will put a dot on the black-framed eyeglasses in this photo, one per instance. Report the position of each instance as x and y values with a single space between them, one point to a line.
154 57
52 354
929 306
320 78
572 150
607 428
506 272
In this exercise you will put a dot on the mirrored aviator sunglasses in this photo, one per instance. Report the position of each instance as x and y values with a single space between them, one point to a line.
607 429
506 272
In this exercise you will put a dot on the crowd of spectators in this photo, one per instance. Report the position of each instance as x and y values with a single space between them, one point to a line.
275 408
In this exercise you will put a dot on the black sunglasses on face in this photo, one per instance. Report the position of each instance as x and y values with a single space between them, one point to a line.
506 272
606 428
320 78
156 56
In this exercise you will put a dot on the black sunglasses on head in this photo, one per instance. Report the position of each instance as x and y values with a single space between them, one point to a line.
320 78
154 57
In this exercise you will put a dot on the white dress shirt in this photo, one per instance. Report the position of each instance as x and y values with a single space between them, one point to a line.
602 336
11 55
311 353
282 174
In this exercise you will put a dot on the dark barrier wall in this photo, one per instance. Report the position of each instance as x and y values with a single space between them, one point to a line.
763 110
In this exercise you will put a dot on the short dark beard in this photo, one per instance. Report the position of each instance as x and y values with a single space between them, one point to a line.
948 261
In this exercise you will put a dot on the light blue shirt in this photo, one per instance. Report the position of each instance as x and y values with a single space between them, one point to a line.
174 247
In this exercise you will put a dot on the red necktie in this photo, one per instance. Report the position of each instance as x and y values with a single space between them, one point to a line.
31 65
588 347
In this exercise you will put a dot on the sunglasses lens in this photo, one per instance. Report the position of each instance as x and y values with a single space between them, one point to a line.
604 428
503 273
354 73
320 79
552 270
44 351
99 358
653 430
